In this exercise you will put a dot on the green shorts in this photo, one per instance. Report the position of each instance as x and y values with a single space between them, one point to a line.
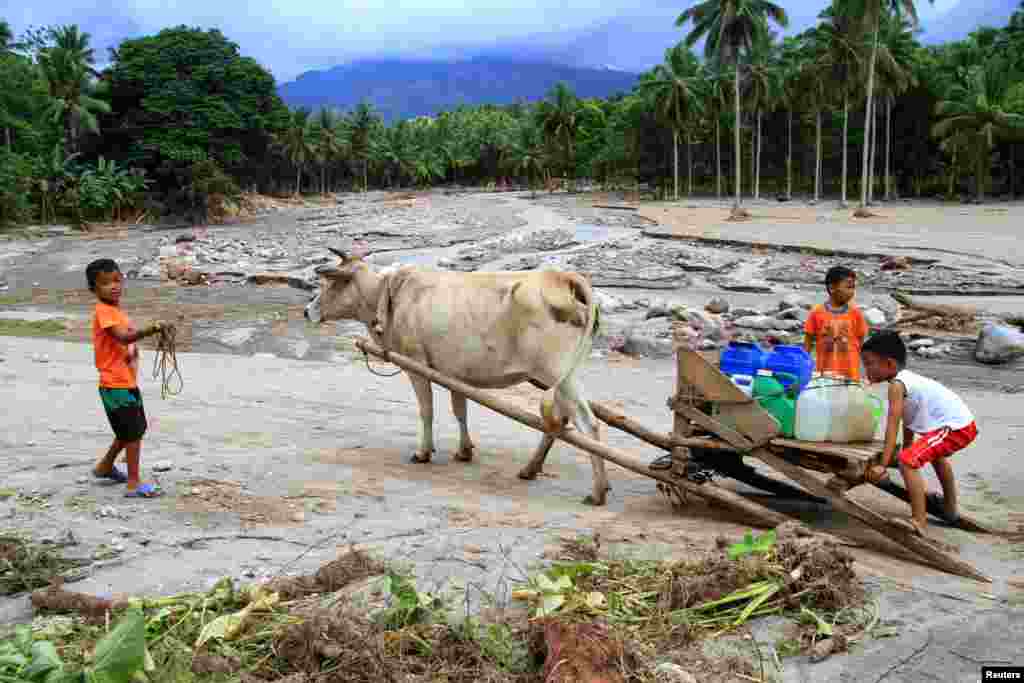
125 412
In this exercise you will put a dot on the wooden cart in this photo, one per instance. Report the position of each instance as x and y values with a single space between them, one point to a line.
716 426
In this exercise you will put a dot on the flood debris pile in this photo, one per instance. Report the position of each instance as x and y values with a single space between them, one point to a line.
25 565
588 617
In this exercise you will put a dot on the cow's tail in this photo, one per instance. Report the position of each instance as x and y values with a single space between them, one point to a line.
581 292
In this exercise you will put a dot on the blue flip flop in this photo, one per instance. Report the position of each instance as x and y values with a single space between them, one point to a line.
115 474
146 490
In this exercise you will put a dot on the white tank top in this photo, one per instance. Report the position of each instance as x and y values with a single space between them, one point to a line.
929 406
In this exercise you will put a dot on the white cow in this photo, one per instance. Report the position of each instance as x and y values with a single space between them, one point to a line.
490 330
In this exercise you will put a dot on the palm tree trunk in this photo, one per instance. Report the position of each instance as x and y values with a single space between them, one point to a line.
298 180
871 152
757 181
789 157
7 137
675 164
739 150
689 162
846 123
817 157
1013 173
867 117
753 157
718 157
888 148
952 174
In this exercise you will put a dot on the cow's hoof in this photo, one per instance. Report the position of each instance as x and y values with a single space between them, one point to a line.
528 475
465 454
590 500
421 458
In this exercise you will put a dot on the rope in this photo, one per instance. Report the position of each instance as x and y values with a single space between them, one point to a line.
366 358
165 362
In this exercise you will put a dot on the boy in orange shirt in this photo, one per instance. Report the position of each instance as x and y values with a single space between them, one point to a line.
837 328
117 360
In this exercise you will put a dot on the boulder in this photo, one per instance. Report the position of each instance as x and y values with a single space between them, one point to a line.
756 322
608 302
875 317
791 301
920 344
999 344
717 305
651 338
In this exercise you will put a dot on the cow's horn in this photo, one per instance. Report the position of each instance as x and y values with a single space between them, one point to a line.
338 252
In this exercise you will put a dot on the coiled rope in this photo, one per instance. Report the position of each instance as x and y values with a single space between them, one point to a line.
165 362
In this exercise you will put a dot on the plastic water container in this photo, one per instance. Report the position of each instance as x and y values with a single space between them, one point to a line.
792 360
741 358
838 410
771 395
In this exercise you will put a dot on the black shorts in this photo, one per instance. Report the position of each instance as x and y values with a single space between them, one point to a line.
125 411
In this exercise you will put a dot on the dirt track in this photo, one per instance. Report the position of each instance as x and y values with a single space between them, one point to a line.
276 462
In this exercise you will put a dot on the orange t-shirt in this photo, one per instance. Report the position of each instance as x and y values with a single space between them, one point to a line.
113 359
837 339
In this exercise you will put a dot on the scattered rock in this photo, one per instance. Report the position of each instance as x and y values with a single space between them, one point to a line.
752 286
743 312
162 466
40 358
895 263
875 317
650 339
608 302
658 309
786 325
756 322
667 672
999 344
717 305
799 314
920 344
791 301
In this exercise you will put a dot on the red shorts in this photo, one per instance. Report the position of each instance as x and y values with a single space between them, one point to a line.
938 444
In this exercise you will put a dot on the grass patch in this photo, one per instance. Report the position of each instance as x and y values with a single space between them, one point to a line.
32 328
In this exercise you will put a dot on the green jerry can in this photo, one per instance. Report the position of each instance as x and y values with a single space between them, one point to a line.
777 401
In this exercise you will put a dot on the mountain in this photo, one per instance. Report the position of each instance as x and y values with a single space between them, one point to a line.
968 15
401 89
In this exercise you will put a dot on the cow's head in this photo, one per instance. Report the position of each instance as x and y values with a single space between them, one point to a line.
348 291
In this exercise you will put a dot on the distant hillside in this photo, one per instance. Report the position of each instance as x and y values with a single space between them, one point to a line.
401 89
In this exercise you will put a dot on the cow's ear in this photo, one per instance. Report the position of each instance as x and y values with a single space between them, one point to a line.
345 258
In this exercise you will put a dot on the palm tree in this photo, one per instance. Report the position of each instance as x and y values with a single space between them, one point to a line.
67 67
762 90
730 27
297 143
676 88
329 144
975 115
790 67
716 89
559 118
841 37
896 47
870 12
362 124
814 86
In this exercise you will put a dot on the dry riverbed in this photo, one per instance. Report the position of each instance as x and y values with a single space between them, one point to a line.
282 448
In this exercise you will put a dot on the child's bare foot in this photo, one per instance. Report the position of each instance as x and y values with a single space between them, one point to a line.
146 490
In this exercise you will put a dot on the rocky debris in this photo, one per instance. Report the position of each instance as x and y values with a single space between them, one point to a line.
920 343
999 344
610 303
652 339
874 317
717 305
791 301
517 243
752 286
895 263
162 466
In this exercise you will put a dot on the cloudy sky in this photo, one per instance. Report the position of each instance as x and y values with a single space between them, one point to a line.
292 36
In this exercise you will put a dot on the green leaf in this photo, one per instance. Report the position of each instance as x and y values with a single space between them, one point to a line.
23 639
218 628
44 660
550 603
122 652
824 628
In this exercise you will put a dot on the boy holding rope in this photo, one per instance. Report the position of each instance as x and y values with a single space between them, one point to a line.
114 340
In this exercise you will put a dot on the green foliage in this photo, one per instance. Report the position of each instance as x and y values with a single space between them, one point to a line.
119 657
751 545
16 178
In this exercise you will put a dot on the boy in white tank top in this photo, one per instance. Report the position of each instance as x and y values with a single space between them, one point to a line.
938 417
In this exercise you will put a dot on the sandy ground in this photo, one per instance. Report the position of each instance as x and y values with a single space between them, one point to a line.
275 463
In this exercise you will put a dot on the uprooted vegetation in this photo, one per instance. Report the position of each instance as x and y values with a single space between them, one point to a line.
589 618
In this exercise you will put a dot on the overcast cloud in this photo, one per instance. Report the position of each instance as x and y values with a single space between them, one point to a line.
292 36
